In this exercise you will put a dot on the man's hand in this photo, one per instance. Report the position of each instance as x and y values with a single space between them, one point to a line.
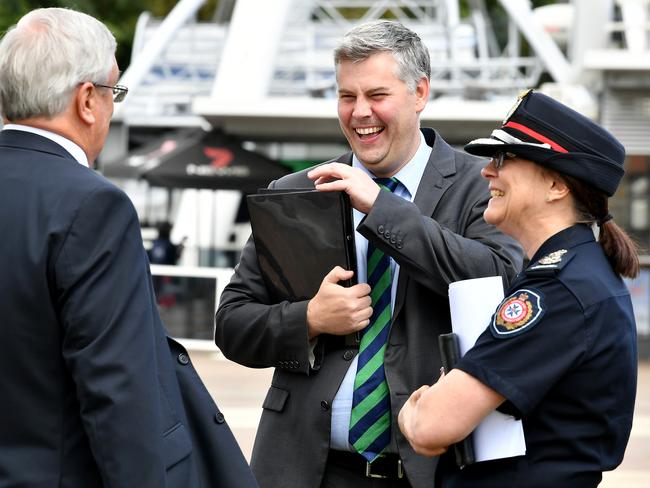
357 184
336 309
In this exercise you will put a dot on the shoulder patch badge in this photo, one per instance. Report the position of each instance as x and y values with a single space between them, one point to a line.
518 313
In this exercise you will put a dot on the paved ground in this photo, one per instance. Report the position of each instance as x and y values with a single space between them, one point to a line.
239 392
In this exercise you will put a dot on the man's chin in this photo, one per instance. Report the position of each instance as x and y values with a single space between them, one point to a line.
368 158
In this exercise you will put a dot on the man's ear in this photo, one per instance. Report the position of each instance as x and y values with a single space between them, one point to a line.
85 101
421 94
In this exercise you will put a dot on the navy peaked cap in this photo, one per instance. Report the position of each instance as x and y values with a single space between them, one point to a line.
543 130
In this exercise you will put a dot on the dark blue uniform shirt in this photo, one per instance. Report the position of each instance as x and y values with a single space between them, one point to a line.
561 348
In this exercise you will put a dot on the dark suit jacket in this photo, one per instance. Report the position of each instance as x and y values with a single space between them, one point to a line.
439 238
90 394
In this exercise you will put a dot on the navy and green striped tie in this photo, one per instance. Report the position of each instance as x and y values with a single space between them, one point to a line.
370 418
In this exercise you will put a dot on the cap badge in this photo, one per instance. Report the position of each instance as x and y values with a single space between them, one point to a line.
520 98
553 258
518 312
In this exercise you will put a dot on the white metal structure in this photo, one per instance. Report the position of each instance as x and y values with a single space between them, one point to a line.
267 74
173 62
282 89
620 66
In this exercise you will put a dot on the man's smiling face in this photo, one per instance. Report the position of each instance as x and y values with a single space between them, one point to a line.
378 113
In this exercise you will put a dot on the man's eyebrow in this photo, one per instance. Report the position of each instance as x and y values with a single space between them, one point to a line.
379 89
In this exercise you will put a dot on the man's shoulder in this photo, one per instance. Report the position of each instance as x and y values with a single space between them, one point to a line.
82 184
450 158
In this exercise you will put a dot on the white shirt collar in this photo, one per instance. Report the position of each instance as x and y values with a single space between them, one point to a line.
411 173
66 144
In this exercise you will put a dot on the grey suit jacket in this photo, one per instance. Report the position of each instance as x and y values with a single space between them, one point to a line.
439 238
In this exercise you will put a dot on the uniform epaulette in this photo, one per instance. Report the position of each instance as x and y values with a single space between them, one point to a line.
551 264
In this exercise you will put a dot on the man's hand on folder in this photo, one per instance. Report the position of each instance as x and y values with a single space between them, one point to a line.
357 184
336 309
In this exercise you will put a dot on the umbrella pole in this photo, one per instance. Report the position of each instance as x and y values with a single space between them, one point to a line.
169 203
213 230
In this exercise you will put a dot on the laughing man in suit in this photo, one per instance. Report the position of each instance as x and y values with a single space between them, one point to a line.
330 420
94 395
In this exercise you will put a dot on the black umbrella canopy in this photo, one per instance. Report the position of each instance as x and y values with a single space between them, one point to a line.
209 160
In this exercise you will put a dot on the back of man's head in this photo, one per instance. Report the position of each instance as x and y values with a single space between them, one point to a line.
410 53
45 56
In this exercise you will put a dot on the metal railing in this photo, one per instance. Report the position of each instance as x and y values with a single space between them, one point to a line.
188 297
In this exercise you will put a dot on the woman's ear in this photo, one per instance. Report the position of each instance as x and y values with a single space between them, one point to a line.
85 101
557 189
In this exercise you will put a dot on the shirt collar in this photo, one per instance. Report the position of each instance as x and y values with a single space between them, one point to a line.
565 239
411 173
67 144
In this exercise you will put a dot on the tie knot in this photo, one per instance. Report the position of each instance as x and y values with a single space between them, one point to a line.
388 183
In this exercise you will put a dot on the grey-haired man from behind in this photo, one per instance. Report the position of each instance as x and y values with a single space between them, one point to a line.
94 393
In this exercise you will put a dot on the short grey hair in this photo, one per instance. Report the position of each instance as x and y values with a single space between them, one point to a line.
46 55
410 53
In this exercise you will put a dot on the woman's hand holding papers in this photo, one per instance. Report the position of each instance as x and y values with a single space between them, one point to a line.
336 309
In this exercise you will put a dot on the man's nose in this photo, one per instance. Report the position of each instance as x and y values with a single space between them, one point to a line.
362 108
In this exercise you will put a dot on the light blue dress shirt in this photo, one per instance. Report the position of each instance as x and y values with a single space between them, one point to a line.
409 177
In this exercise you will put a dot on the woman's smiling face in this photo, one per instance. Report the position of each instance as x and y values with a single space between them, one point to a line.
518 192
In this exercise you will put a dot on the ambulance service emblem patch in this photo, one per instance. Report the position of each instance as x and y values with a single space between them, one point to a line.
518 313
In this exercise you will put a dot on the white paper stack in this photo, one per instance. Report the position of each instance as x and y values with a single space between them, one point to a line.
472 303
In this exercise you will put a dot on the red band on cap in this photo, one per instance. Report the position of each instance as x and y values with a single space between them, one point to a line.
536 135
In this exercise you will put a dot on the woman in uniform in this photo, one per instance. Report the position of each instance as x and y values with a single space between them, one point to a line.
560 351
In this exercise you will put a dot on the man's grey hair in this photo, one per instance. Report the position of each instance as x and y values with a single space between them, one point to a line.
46 55
410 53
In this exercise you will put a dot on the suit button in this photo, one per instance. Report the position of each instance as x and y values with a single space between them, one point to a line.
324 406
219 418
380 229
387 234
183 359
393 240
348 354
398 245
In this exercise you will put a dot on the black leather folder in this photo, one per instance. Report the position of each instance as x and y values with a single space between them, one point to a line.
300 235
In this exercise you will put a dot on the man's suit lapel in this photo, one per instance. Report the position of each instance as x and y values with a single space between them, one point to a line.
437 177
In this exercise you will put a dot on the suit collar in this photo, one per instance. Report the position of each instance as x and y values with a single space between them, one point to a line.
437 177
410 174
27 140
